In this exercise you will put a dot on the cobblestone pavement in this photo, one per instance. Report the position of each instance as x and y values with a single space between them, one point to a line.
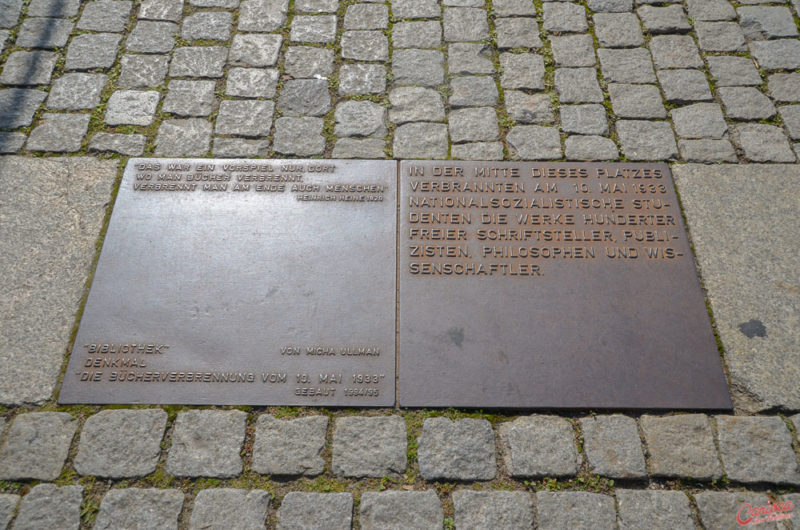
703 80
698 81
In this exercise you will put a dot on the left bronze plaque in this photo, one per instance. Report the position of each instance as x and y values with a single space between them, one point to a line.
253 282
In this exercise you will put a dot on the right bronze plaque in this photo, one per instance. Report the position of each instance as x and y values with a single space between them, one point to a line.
550 285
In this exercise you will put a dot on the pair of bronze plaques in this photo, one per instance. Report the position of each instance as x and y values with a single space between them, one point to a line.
411 283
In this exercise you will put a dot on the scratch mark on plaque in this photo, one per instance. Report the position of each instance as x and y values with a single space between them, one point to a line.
456 335
753 328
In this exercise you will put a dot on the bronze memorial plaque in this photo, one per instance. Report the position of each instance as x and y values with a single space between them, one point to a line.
549 285
253 282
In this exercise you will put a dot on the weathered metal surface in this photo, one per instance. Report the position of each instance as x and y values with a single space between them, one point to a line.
550 285
243 282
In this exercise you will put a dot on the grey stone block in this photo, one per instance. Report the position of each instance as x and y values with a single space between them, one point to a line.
207 25
659 510
613 447
584 119
477 151
106 15
538 446
718 509
155 508
701 120
9 13
532 142
124 144
198 61
239 148
766 22
255 49
669 19
420 141
684 86
564 17
59 133
307 61
121 443
632 65
517 33
206 443
647 140
529 108
400 510
299 136
18 105
251 82
733 71
11 143
415 104
316 6
229 508
171 10
573 50
618 30
48 506
142 71
681 446
36 445
289 447
590 148
782 54
466 58
8 506
463 3
578 85
525 70
250 118
576 510
304 97
360 118
465 24
319 29
369 446
710 10
790 115
720 37
367 45
332 511
746 103
131 107
152 37
89 51
369 148
25 68
418 67
262 15
675 51
757 449
460 450
366 16
761 369
764 143
48 33
226 4
355 79
416 9
50 8
636 101
59 254
473 91
512 8
784 88
493 509
707 151
76 91
610 6
189 98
